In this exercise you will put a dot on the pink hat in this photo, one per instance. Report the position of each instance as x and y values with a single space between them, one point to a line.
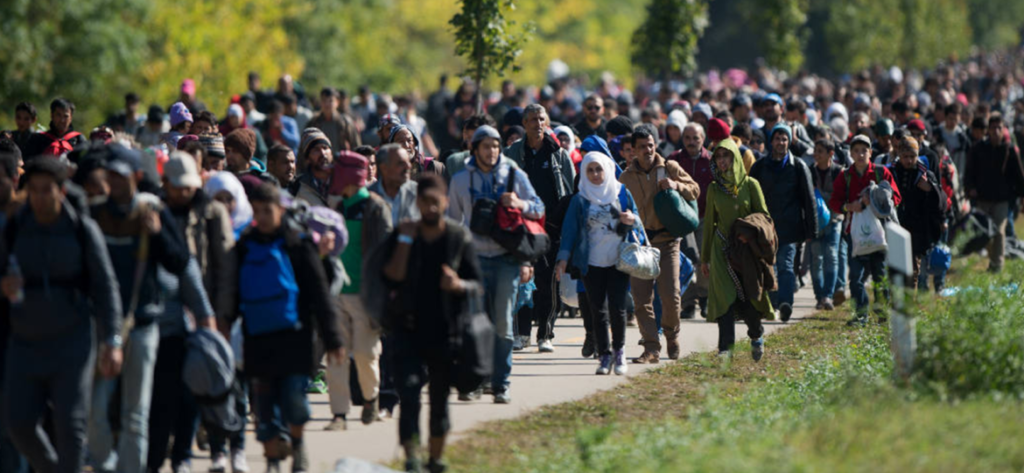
188 87
350 168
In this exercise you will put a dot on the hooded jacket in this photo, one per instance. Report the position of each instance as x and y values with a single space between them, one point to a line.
643 185
472 184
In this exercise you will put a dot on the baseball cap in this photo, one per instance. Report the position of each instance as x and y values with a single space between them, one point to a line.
863 139
123 161
181 171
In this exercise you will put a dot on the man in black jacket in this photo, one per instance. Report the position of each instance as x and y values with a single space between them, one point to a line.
993 177
278 347
789 193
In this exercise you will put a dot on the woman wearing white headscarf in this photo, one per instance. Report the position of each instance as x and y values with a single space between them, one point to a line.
225 188
599 218
568 143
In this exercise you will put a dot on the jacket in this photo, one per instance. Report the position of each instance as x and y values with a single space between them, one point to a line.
368 221
994 172
843 194
290 133
920 212
558 162
122 229
205 227
472 184
789 192
306 190
824 182
68 277
643 185
575 245
754 261
340 130
403 206
293 351
699 169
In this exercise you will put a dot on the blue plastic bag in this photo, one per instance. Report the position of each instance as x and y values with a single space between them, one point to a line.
824 214
939 259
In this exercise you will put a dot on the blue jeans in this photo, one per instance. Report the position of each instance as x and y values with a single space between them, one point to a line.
861 267
218 440
501 284
136 395
825 262
844 260
280 403
785 273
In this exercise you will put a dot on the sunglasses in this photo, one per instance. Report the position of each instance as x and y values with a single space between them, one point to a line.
593 107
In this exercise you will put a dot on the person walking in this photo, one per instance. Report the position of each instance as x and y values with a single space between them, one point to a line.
828 255
599 218
993 177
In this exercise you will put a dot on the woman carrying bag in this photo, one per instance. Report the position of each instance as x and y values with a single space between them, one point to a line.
600 217
731 196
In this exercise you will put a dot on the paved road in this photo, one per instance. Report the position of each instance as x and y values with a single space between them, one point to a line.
537 380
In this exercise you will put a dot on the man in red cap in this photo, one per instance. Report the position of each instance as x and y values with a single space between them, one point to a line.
919 132
368 220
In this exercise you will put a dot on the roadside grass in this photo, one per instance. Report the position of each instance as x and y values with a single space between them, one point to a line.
822 399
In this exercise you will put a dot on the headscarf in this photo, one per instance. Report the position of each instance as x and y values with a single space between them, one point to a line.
605 193
568 131
226 181
729 182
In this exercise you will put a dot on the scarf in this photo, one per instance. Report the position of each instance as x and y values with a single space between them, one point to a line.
599 194
225 181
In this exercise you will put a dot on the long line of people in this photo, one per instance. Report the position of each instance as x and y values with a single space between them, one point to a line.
372 269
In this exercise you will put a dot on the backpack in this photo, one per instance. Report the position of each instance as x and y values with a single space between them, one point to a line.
60 145
268 290
524 238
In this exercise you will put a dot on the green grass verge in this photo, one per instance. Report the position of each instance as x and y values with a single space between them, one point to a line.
821 400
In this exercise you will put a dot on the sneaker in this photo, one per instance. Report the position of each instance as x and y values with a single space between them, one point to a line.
648 357
487 390
300 459
337 424
318 386
183 467
672 347
620 363
273 466
858 321
472 395
606 365
757 349
839 297
502 397
828 305
413 465
688 313
724 355
785 311
436 466
820 305
218 463
370 412
238 462
202 439
545 346
517 343
588 347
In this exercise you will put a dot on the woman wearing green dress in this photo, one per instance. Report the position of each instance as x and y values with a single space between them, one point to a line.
733 195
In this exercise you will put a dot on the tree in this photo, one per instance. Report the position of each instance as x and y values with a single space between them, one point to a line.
781 26
666 42
996 23
861 33
483 38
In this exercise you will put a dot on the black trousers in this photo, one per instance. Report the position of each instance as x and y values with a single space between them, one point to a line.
587 315
416 365
606 293
173 410
544 303
727 324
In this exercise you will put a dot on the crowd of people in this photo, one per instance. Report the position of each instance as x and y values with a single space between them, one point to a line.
368 252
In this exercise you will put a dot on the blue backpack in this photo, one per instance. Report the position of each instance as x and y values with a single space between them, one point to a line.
269 294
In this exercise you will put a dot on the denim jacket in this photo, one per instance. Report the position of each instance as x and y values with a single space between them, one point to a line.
575 244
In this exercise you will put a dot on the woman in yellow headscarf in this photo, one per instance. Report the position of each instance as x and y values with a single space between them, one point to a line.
731 196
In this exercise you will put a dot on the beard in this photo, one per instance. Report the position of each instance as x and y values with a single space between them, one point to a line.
432 221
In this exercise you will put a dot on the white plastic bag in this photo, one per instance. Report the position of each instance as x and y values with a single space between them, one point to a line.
567 291
867 233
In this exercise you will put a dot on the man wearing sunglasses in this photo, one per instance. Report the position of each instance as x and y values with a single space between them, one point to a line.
593 118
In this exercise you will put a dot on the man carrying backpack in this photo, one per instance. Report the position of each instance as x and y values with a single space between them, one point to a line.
142 238
65 278
61 137
282 286
368 220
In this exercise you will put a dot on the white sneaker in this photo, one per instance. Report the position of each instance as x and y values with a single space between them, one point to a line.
238 462
620 363
546 346
218 463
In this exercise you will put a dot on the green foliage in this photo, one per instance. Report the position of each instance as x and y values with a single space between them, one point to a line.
781 27
666 42
485 39
996 24
861 33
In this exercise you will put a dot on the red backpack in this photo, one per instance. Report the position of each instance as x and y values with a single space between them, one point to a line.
61 145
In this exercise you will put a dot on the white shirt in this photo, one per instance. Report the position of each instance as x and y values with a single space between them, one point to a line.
604 242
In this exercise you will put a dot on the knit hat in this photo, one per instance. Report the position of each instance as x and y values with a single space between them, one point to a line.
350 168
242 140
676 118
179 114
916 125
620 125
186 139
884 127
704 109
311 136
387 119
188 87
181 171
718 130
214 143
485 131
783 127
